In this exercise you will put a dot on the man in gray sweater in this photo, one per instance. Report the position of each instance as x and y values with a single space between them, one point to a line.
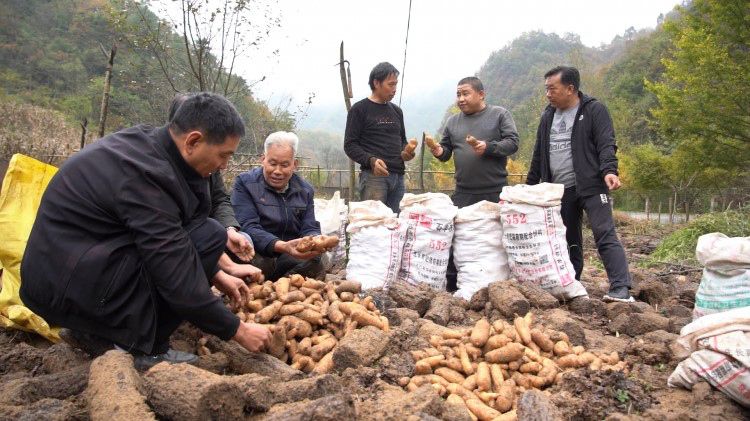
480 137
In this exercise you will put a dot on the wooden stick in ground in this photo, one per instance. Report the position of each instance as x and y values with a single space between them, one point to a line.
105 95
84 125
421 163
347 87
115 391
184 392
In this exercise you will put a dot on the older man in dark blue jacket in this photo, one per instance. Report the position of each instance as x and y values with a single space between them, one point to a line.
275 206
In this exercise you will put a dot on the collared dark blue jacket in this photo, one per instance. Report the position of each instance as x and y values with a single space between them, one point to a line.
269 216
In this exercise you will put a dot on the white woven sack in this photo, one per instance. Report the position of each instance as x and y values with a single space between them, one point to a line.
542 194
534 239
375 244
725 284
332 216
717 347
428 219
478 251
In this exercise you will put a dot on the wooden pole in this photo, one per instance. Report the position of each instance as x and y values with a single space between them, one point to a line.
421 164
346 85
648 208
84 125
107 84
671 210
660 211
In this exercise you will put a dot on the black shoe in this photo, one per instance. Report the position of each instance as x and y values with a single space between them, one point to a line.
86 342
144 362
619 294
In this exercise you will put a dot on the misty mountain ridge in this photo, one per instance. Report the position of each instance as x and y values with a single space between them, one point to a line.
512 77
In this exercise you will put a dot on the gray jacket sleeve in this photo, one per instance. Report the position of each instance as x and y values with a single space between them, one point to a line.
508 143
221 206
447 144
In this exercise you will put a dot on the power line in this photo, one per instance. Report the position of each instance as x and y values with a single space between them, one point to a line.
406 46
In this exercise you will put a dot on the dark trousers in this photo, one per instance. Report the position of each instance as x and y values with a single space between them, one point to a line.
599 211
209 238
276 267
388 189
463 199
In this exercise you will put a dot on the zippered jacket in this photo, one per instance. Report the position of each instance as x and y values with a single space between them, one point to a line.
268 216
593 147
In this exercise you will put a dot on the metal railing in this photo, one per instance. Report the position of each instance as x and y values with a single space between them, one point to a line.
328 180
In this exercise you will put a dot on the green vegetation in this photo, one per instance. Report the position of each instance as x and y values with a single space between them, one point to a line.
680 245
622 395
513 76
51 57
322 148
706 84
677 95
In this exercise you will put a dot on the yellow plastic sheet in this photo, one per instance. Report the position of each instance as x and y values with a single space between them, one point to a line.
21 193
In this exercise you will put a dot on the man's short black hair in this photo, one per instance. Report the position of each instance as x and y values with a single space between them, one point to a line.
381 73
175 104
474 81
568 76
210 113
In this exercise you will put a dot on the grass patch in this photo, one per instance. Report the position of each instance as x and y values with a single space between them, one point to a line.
622 395
679 247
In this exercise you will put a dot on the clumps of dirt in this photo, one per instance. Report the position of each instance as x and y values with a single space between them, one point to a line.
41 381
22 357
47 409
593 395
61 357
396 361
653 347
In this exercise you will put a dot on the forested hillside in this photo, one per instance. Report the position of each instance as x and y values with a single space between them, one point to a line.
53 55
677 95
513 75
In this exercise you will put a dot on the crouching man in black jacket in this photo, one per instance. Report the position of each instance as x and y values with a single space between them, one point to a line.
122 249
575 146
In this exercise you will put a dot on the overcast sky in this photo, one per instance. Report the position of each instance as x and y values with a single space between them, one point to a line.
448 39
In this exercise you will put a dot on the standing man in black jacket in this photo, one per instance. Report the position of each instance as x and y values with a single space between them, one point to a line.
375 138
575 146
122 249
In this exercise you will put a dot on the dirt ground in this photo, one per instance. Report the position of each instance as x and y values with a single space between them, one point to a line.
41 381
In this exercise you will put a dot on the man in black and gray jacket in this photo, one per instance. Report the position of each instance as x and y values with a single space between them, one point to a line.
575 146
